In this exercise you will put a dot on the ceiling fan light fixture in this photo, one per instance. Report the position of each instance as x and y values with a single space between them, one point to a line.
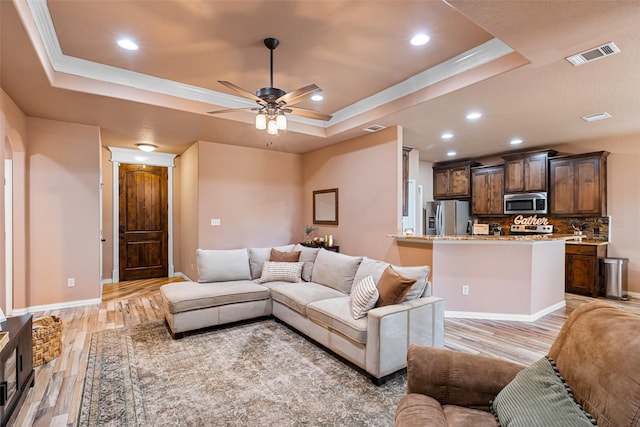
147 148
272 127
261 121
281 121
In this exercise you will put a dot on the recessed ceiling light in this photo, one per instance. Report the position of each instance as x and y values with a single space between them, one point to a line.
317 98
146 147
446 135
451 153
127 44
474 115
515 141
420 39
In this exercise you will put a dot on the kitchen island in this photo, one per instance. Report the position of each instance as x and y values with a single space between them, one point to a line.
497 277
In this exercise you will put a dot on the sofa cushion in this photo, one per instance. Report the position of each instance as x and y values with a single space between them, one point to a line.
335 270
335 314
392 287
281 272
187 296
308 256
374 268
279 256
297 296
363 298
257 257
538 396
223 265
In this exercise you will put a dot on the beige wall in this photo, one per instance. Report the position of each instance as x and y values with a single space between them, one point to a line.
64 214
256 194
187 168
368 174
623 197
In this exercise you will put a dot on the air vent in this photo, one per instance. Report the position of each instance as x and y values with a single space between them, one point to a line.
596 117
374 128
593 54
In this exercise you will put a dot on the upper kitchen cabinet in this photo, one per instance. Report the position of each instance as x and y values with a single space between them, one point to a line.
452 180
526 172
487 190
578 184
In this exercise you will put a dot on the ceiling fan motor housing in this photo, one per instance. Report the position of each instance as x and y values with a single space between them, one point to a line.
270 94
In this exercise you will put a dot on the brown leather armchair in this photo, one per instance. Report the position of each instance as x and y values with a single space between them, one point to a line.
597 352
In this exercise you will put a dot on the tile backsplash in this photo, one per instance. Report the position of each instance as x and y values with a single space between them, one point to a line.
597 228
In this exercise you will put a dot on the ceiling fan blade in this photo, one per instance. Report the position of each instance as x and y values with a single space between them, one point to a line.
230 110
303 112
298 94
241 91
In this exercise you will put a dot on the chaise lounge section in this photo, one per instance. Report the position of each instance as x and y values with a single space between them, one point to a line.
310 289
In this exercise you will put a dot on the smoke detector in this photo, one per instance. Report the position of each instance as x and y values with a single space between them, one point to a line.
593 54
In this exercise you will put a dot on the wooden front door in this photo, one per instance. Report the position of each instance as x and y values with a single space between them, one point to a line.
143 222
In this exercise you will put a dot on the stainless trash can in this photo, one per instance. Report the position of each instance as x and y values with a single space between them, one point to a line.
615 275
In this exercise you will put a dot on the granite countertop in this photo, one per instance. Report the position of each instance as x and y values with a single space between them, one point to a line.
569 238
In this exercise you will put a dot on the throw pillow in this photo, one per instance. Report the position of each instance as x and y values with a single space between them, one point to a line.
537 396
392 287
363 298
278 256
308 256
222 265
281 272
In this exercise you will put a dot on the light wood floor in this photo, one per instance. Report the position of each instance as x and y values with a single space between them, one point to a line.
55 398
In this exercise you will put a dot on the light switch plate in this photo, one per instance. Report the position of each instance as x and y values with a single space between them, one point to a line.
215 221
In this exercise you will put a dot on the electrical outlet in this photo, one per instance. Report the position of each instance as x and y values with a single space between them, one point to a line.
215 221
71 282
465 289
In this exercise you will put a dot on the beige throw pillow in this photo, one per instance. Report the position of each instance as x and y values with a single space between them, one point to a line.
281 272
392 287
363 298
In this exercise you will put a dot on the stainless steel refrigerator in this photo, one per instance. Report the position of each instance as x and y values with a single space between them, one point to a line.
448 218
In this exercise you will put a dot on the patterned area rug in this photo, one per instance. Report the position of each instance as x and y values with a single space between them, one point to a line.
252 374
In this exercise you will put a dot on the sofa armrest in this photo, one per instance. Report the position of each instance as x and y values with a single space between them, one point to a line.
392 329
457 378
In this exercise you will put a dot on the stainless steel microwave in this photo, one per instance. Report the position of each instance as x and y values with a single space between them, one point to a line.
526 203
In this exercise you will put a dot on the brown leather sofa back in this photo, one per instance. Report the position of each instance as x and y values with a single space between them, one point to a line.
598 353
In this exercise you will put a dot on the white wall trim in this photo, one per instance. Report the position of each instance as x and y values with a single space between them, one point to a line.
136 157
505 316
57 306
8 230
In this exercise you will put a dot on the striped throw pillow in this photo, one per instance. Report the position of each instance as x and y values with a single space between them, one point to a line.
281 272
364 296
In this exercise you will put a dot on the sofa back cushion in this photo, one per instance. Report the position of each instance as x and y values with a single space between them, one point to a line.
258 256
223 265
335 270
596 352
308 256
374 268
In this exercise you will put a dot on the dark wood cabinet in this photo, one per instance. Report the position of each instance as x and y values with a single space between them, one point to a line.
487 190
526 172
333 248
582 269
452 180
16 366
577 185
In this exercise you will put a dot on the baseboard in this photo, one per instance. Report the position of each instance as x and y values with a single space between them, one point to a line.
58 306
505 316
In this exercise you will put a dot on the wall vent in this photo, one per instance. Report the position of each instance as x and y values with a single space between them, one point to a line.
596 117
374 128
593 54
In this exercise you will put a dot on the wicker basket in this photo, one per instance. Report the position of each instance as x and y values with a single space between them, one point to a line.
47 339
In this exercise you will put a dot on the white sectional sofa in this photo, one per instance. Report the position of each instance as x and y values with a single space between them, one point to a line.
312 295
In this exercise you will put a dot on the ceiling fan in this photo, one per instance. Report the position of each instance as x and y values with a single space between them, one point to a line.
273 103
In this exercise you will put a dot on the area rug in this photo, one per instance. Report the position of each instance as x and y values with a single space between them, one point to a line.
251 374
